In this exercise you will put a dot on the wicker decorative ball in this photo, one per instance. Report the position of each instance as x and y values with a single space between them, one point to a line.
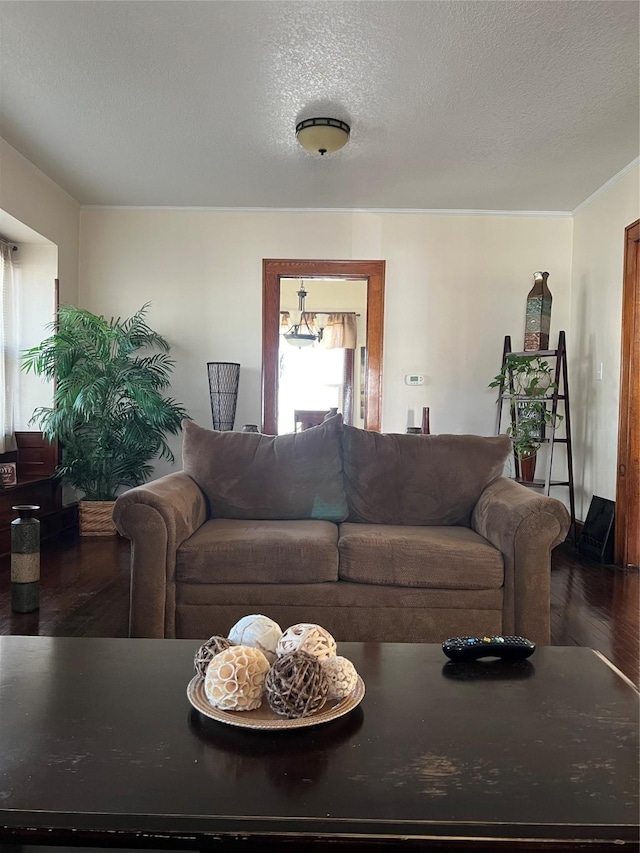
235 679
207 651
341 675
257 631
296 685
307 637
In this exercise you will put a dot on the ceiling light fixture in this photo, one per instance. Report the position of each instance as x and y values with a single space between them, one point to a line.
322 135
302 333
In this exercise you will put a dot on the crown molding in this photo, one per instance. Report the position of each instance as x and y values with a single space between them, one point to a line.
606 186
347 210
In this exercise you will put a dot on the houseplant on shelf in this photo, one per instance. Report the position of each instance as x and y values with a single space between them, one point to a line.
109 414
527 380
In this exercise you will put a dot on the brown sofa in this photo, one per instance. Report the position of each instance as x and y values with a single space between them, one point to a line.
399 538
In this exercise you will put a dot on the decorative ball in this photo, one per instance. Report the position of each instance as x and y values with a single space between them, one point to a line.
235 679
296 685
341 675
257 631
207 651
306 637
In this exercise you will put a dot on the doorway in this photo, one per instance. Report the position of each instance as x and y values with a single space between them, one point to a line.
627 534
320 362
365 360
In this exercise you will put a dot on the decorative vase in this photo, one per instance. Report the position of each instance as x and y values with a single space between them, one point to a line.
538 317
224 378
528 468
25 559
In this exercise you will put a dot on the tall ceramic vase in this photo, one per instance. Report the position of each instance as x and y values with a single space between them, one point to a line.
25 560
538 319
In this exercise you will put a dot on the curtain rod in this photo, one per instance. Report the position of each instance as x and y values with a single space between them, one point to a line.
313 311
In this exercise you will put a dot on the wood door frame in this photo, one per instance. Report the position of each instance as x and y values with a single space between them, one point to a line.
627 522
275 269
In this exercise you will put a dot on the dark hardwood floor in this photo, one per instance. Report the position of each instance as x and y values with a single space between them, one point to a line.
84 591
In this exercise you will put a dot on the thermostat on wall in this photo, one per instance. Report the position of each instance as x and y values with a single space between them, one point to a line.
414 379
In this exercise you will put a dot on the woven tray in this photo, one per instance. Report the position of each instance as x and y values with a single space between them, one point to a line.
95 518
264 717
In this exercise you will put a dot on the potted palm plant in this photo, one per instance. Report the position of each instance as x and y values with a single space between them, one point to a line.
109 414
528 380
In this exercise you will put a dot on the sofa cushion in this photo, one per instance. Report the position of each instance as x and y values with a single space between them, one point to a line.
232 551
253 476
418 479
432 557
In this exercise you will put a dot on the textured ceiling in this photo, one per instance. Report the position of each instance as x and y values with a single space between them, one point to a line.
476 105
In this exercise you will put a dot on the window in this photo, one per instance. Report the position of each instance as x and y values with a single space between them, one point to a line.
310 378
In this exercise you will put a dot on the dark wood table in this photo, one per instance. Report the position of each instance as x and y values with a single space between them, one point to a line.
99 746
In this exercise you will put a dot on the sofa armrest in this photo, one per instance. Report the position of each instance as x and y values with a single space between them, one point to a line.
157 517
524 526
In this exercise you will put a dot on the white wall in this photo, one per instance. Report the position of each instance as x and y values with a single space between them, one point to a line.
30 196
596 312
455 286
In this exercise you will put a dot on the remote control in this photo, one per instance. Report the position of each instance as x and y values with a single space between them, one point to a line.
461 649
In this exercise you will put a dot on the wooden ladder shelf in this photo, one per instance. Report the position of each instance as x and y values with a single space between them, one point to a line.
557 399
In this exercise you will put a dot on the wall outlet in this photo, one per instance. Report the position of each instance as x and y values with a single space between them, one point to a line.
414 379
599 372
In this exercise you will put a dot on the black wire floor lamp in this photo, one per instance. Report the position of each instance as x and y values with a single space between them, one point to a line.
224 378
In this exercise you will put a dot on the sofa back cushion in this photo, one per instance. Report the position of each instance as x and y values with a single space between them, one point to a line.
253 476
418 479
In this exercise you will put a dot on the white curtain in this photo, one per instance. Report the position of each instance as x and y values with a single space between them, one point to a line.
340 331
9 354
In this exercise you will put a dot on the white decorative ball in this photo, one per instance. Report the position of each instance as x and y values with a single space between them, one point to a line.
341 675
257 631
307 637
234 680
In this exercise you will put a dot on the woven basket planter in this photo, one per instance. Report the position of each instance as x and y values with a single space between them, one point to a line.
95 518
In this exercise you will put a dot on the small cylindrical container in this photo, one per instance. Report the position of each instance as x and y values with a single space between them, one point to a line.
25 559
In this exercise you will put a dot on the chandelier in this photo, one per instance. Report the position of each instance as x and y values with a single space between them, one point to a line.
302 333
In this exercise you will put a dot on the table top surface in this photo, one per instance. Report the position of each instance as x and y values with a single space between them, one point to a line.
99 734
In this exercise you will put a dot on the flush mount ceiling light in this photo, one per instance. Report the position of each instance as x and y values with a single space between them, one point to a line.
322 135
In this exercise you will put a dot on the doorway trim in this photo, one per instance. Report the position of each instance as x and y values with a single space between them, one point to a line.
627 523
275 269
